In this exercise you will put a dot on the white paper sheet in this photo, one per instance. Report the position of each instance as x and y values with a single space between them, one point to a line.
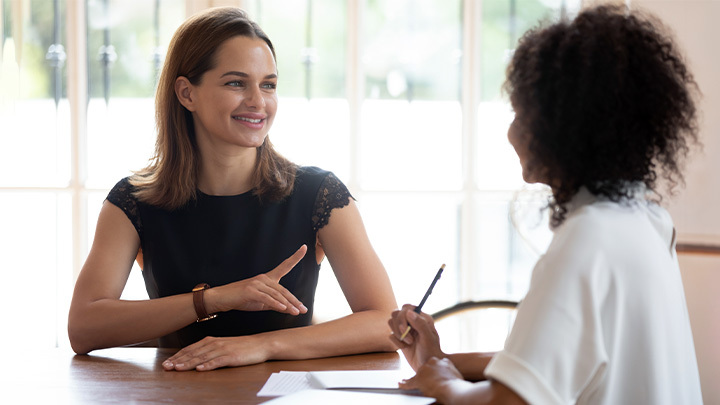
284 383
315 397
349 379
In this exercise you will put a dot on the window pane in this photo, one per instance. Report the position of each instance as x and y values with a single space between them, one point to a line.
116 143
28 32
327 50
412 49
314 132
503 22
309 40
411 146
34 140
496 164
124 44
35 144
125 49
285 23
476 330
34 222
511 233
415 233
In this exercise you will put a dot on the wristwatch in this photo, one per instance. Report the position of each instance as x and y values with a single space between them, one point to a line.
199 302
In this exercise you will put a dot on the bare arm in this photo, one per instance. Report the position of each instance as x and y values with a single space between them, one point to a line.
98 318
471 365
438 378
366 286
363 280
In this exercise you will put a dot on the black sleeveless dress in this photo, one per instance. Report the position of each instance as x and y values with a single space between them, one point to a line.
222 239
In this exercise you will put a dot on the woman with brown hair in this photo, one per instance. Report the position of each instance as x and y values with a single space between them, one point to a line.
228 233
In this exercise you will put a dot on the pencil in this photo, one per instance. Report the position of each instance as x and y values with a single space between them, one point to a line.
425 297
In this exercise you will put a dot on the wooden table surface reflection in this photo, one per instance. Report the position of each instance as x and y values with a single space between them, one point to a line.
135 375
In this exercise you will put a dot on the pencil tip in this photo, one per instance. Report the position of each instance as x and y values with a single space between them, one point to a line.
443 266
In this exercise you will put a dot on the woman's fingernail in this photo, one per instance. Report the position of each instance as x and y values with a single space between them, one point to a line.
167 364
411 315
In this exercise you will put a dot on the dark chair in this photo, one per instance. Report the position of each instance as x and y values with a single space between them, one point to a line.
473 305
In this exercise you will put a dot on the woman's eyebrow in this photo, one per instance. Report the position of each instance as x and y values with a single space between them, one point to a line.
243 74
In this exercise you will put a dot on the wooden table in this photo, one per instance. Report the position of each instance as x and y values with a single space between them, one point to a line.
135 375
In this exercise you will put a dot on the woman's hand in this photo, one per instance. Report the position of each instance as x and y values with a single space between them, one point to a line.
437 378
260 293
212 352
422 342
440 379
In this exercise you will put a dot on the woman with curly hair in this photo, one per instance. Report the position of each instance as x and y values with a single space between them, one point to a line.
604 108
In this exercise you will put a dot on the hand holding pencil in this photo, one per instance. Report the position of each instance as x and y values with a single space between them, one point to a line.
424 342
418 308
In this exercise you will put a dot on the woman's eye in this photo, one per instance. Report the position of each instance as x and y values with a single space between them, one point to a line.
234 83
271 86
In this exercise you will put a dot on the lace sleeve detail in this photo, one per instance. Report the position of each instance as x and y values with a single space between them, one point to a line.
122 196
332 194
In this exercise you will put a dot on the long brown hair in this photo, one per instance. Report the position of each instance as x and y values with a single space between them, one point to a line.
170 180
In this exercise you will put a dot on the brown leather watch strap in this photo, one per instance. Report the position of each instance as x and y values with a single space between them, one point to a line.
199 302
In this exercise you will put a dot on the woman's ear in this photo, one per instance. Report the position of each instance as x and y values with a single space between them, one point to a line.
183 91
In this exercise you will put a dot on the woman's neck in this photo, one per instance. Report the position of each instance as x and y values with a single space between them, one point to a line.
227 173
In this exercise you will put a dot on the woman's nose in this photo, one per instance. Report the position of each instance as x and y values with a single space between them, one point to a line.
254 98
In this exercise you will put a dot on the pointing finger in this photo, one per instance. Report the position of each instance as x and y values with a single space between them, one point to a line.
284 268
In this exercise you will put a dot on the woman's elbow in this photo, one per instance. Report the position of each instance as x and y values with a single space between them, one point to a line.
77 344
78 336
79 349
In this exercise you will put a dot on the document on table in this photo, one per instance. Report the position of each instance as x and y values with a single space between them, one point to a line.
288 382
285 382
352 379
347 398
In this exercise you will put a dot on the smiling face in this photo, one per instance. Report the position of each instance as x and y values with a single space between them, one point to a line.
234 104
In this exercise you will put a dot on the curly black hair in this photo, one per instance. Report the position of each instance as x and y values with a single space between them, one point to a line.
607 100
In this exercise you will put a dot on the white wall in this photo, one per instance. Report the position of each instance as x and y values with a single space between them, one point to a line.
696 24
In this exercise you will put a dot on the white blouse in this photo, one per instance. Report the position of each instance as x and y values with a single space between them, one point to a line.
605 319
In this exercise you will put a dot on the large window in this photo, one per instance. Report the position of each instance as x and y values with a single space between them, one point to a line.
400 98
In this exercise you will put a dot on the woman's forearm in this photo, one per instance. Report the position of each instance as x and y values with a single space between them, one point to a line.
110 322
471 365
361 332
460 392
